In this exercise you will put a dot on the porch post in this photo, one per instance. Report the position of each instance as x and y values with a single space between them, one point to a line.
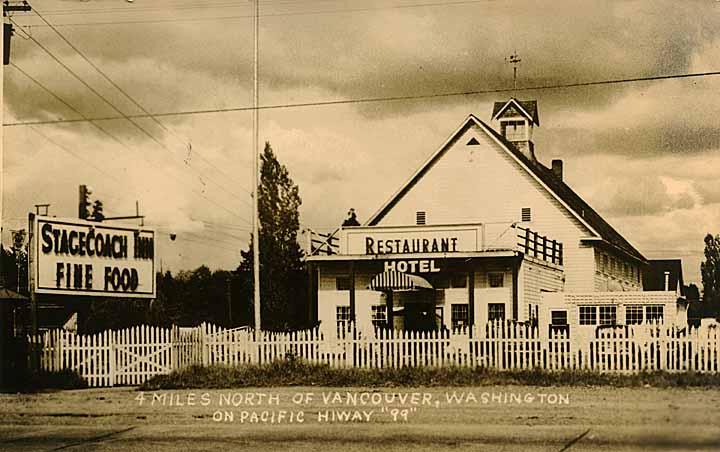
515 270
471 297
352 291
389 307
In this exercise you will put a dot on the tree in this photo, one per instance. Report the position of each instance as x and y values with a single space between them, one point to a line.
710 269
281 269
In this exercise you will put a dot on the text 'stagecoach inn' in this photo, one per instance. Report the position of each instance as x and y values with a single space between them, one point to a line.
483 231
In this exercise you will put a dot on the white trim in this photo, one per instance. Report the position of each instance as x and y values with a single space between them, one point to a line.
502 146
417 172
516 102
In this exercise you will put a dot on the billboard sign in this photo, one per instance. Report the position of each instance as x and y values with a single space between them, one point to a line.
76 257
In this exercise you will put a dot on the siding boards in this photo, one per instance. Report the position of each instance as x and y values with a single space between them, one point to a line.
483 183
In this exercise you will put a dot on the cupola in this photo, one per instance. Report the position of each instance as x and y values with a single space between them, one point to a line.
514 120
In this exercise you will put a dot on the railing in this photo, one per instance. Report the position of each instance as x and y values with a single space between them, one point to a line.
134 355
533 244
468 238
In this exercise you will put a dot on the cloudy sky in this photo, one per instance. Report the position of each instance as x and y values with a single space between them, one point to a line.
646 155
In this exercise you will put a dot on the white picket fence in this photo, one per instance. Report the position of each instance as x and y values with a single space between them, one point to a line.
131 356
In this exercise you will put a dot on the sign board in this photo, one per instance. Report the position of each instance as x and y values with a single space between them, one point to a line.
76 257
417 240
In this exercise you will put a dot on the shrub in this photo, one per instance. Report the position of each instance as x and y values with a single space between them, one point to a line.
295 372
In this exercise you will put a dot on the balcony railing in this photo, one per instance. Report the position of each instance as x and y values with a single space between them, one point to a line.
478 237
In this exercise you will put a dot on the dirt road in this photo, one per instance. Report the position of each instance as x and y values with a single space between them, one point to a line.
512 418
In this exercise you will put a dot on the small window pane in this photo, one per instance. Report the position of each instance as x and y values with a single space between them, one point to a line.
459 315
558 317
379 316
496 279
608 315
654 313
496 311
342 316
588 315
634 315
458 280
342 283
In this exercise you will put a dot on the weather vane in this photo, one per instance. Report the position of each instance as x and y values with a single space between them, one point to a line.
514 59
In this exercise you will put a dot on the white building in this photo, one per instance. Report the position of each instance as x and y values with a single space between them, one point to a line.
480 231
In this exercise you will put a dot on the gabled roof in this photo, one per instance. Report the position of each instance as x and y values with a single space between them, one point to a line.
562 192
527 107
654 275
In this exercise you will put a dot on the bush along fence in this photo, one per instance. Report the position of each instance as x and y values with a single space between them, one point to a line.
131 356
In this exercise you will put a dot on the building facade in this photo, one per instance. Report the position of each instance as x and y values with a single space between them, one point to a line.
479 232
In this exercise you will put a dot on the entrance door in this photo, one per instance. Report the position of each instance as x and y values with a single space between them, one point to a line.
420 317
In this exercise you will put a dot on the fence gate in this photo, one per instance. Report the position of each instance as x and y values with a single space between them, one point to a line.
140 353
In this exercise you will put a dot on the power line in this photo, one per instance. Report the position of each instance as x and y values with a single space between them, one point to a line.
37 82
124 116
128 96
285 14
383 99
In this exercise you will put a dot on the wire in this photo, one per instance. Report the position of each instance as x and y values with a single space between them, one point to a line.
384 99
285 14
123 115
91 122
129 97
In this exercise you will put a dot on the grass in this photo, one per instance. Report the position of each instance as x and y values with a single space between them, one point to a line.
298 373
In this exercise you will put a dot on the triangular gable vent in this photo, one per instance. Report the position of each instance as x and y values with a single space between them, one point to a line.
472 142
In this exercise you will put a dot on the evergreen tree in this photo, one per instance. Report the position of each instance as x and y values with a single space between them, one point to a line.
710 269
282 280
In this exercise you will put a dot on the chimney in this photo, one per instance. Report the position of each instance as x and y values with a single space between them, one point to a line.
557 168
667 281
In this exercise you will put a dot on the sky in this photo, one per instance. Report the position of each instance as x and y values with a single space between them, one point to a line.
646 155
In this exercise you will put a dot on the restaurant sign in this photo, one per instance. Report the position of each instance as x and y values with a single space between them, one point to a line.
379 241
76 257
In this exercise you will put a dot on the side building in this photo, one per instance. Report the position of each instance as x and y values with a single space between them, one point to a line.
481 231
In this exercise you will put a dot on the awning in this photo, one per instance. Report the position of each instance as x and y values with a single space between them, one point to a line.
394 280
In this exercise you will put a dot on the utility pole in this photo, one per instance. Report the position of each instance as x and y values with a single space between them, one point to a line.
256 171
514 59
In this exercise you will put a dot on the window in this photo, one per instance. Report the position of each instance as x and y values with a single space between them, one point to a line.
608 315
342 317
459 315
496 311
633 315
496 279
588 315
379 316
513 130
558 317
420 217
342 283
525 214
654 313
605 267
458 280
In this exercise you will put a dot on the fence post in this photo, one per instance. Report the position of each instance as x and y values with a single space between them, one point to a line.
112 357
205 345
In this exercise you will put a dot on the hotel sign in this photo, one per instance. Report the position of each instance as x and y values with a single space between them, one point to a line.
76 257
379 241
